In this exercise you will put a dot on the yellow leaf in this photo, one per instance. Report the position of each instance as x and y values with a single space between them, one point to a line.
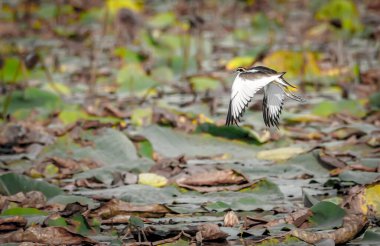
152 179
280 154
372 198
57 88
204 119
114 5
294 63
240 61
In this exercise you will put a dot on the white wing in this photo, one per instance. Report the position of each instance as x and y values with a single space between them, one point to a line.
273 100
243 89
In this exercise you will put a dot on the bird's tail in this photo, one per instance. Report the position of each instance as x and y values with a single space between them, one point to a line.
289 94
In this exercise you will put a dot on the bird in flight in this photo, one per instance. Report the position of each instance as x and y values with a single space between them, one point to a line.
248 82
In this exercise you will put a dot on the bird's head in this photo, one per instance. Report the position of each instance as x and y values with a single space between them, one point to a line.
240 70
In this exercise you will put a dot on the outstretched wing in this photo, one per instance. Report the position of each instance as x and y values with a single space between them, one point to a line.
243 89
273 101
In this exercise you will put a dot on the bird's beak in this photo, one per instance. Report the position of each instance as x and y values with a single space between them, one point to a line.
285 83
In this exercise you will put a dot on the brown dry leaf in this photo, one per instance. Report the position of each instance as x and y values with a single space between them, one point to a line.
73 164
210 232
330 160
34 199
22 141
231 219
223 177
24 134
73 208
116 207
168 167
48 235
118 219
91 183
347 132
12 223
224 180
352 225
180 121
296 218
115 111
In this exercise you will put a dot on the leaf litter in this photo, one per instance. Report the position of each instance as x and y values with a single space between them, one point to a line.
112 124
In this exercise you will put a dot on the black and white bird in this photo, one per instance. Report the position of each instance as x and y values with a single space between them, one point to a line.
248 82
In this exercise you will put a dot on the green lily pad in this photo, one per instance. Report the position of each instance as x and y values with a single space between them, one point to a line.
32 98
202 83
23 212
328 108
110 147
327 215
231 132
171 143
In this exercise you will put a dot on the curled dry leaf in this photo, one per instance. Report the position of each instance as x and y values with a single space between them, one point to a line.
365 200
231 219
296 218
116 207
91 183
328 159
229 179
223 177
210 232
48 235
12 223
73 208
118 219
352 225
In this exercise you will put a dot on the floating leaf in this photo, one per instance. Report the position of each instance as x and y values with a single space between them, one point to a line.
372 198
232 132
327 215
328 108
111 147
369 238
170 143
55 87
162 20
152 179
11 70
116 5
374 100
202 83
32 98
240 61
280 154
133 78
23 212
12 183
293 63
343 10
57 222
